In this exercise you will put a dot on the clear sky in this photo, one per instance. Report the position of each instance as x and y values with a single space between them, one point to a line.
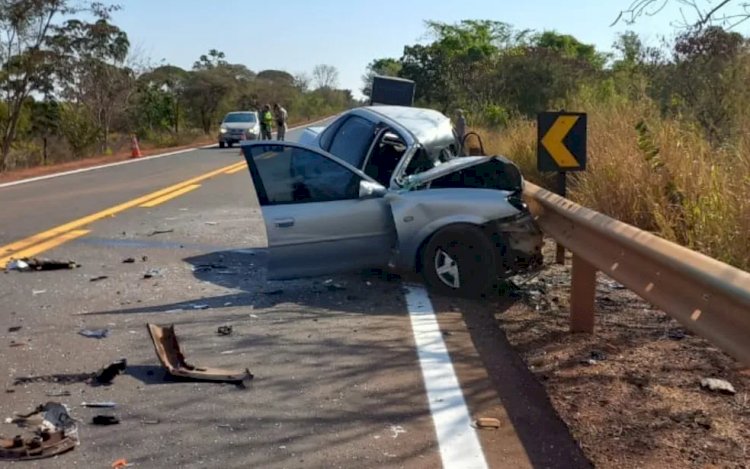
295 35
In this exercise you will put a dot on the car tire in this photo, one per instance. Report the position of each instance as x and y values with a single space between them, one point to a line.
230 144
221 144
459 260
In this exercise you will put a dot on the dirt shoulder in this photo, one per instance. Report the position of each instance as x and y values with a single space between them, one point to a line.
631 393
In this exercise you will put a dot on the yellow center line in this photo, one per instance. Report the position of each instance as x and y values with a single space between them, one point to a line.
170 196
45 246
236 170
13 249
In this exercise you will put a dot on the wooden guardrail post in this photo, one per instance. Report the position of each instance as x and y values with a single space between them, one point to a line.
582 295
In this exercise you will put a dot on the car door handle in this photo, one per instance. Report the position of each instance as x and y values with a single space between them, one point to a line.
284 222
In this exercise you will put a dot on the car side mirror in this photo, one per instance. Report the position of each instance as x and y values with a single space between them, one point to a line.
368 189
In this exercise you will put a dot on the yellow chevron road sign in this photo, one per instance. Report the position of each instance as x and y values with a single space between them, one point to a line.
561 142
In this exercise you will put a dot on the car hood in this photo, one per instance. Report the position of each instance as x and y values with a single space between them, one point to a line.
239 125
495 165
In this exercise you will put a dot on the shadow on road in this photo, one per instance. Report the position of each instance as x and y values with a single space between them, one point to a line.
544 435
244 270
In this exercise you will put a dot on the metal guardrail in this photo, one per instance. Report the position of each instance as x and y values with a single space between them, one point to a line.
707 296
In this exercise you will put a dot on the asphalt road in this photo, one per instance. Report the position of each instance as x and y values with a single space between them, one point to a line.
350 371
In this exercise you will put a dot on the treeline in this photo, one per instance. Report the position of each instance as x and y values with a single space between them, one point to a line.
497 72
669 126
71 87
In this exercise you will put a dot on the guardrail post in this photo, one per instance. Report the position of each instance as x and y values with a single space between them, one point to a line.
582 292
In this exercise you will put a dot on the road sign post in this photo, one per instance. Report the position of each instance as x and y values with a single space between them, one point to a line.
561 147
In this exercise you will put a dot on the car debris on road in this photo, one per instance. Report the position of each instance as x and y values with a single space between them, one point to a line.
224 330
108 373
100 405
158 232
94 333
33 264
105 420
54 432
171 357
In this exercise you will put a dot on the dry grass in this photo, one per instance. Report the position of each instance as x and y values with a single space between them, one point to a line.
690 191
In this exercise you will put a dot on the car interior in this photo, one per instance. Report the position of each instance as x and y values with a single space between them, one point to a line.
386 153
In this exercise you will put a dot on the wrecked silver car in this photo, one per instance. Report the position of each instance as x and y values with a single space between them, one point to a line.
386 186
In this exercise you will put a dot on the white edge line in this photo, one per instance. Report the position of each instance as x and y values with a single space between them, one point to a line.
459 445
134 160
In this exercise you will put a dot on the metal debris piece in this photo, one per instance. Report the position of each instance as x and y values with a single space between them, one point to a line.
129 260
99 405
96 279
36 264
38 292
487 422
54 432
105 420
152 273
14 328
718 385
94 333
224 330
18 265
158 232
171 357
108 373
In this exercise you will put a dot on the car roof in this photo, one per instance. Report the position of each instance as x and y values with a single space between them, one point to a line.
429 127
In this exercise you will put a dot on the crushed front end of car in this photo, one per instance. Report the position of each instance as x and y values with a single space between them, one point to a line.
512 229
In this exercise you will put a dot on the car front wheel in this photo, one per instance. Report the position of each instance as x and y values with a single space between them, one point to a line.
221 144
459 260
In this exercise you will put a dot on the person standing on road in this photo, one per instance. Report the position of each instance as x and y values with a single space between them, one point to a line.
460 128
266 123
281 118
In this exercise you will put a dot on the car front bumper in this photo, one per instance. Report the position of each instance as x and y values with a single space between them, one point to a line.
231 137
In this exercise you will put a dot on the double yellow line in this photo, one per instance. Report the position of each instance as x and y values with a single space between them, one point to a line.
51 238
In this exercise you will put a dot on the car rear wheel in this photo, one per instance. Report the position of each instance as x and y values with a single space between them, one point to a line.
459 260
221 144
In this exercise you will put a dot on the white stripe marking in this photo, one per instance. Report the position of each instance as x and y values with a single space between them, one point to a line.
133 160
457 439
108 165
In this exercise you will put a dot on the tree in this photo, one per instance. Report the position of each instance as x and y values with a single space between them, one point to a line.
325 76
25 26
213 59
568 46
161 94
45 122
90 69
385 67
278 77
702 13
205 90
709 78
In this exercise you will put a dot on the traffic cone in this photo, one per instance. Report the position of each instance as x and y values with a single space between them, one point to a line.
135 151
